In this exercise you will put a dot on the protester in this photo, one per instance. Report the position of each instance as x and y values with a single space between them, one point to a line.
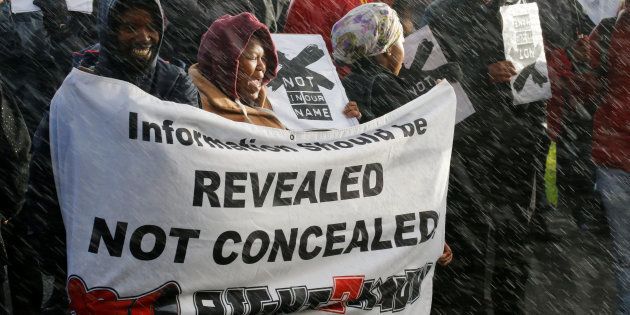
611 141
500 150
369 39
130 33
569 111
233 84
24 284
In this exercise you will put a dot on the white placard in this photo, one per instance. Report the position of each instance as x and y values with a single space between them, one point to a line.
524 47
171 209
84 6
23 6
433 57
307 93
597 10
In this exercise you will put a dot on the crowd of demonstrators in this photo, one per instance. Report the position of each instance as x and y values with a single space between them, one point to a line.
611 139
219 56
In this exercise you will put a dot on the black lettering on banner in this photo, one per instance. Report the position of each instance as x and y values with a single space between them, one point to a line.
260 301
407 129
217 252
281 187
360 238
235 297
421 125
303 251
184 137
309 147
146 132
114 244
231 189
133 123
183 235
258 235
369 296
209 303
202 189
377 244
425 216
401 229
324 195
258 194
332 239
390 297
377 170
280 243
168 130
307 189
317 298
414 278
197 136
291 299
384 134
347 180
135 244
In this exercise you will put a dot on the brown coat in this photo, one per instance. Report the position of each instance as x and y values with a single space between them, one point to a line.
215 101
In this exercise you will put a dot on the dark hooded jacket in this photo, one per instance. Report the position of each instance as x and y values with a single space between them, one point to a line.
216 74
15 143
161 80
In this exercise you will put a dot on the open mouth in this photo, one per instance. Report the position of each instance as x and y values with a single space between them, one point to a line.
254 85
142 52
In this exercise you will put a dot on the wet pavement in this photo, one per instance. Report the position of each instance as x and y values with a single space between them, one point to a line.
573 275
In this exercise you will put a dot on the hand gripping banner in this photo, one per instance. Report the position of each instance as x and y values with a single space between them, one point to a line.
172 210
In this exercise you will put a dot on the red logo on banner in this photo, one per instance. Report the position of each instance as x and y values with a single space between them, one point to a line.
346 288
105 301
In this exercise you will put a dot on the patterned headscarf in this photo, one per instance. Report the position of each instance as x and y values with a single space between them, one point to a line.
368 30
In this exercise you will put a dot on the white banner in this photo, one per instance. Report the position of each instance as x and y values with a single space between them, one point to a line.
308 85
173 210
524 47
422 47
597 10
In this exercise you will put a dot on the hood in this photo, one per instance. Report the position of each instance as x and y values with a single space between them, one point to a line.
108 63
222 45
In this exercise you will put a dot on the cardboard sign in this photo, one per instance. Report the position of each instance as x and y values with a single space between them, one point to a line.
423 52
307 93
524 47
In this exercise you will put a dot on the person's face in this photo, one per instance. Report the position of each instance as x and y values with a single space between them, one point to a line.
252 65
137 36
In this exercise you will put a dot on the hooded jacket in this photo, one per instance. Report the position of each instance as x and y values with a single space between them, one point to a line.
215 74
42 209
159 78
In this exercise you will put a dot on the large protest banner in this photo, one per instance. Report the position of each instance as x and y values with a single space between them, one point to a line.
307 85
424 57
172 210
524 47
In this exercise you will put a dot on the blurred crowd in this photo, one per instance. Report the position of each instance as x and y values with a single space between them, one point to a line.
219 56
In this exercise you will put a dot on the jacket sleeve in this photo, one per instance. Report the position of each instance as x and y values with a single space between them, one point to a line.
185 91
15 143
